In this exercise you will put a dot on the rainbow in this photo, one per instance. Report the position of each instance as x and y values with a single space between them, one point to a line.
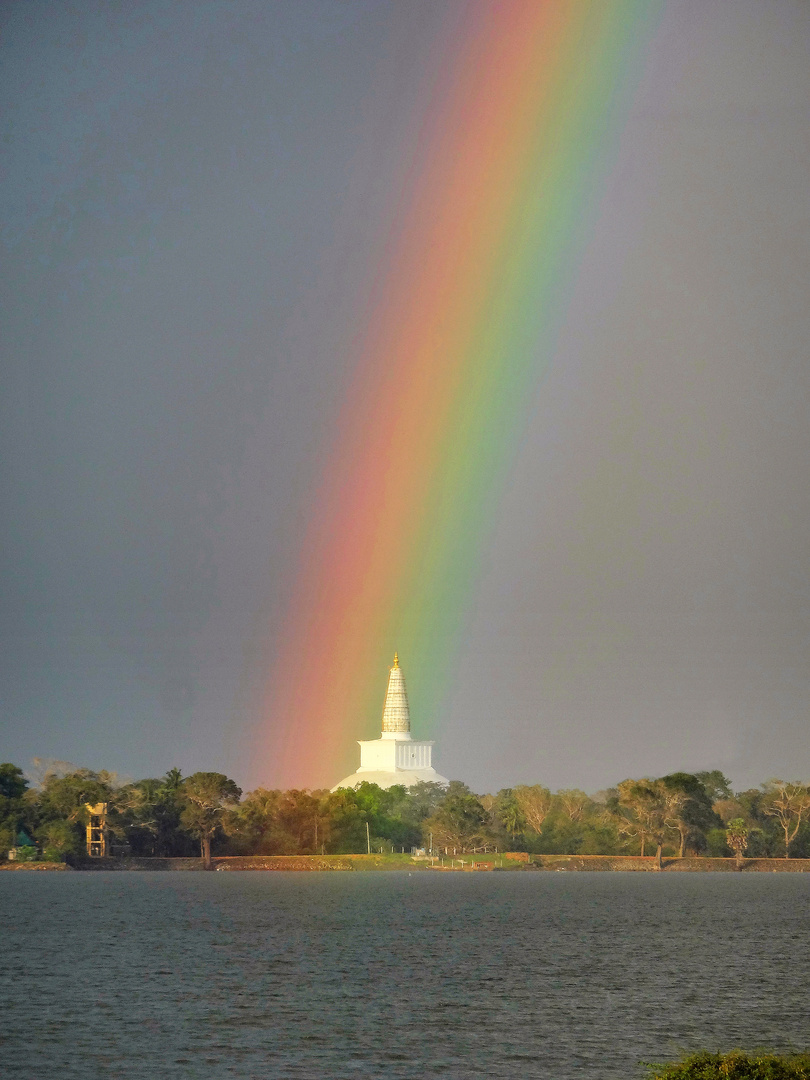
517 147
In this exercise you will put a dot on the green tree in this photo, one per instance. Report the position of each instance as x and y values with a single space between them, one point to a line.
403 815
715 784
789 803
620 812
388 813
271 822
343 823
737 839
422 801
412 807
535 802
60 839
173 780
764 837
13 786
460 821
206 796
717 844
573 802
147 815
693 816
299 815
508 814
65 796
656 808
599 837
251 825
8 834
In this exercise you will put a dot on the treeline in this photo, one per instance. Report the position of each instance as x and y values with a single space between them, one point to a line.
678 814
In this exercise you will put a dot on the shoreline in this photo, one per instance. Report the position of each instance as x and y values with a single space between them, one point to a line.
510 862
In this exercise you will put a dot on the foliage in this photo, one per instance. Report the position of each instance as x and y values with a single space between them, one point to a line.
654 808
716 845
694 815
12 782
505 813
148 816
65 796
535 804
7 834
460 821
736 1066
789 803
737 836
13 786
573 802
205 797
27 854
715 785
59 839
172 815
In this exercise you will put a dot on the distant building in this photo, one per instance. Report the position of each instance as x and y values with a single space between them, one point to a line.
24 848
394 758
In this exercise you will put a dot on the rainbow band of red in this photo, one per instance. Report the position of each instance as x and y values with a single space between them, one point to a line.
512 160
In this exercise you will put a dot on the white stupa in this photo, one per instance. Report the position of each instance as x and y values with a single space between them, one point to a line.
394 758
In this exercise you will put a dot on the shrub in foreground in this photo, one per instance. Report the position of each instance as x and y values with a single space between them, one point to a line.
735 1066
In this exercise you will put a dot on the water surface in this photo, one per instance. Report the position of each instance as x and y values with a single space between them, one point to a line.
390 975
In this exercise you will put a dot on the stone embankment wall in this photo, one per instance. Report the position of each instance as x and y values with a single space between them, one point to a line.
516 862
647 862
254 862
133 863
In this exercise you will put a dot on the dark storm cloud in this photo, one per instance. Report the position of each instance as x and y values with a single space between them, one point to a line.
194 198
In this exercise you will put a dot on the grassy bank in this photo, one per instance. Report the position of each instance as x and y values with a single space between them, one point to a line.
735 1066
34 866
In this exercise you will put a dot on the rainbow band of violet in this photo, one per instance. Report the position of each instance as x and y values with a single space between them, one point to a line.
517 148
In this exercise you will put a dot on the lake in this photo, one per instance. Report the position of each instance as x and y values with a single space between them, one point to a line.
394 975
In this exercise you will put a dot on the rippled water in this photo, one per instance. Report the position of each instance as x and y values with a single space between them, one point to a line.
275 975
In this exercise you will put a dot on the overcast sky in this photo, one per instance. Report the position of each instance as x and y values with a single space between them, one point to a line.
193 198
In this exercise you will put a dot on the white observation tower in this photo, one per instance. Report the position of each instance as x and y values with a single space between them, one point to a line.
394 758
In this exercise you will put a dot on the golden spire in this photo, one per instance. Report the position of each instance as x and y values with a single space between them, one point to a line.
396 659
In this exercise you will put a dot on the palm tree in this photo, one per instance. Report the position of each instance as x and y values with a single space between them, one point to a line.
737 838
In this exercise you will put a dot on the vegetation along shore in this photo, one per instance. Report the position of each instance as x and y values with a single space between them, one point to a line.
679 822
735 1066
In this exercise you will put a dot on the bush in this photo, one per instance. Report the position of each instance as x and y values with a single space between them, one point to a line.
27 854
736 1066
51 854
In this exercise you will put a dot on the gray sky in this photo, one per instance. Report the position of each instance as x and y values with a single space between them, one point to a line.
193 197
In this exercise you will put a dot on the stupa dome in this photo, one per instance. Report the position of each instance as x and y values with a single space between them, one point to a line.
396 757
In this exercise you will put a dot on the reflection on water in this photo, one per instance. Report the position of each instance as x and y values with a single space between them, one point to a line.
271 975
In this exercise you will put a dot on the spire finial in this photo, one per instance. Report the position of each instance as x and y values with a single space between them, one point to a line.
396 659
